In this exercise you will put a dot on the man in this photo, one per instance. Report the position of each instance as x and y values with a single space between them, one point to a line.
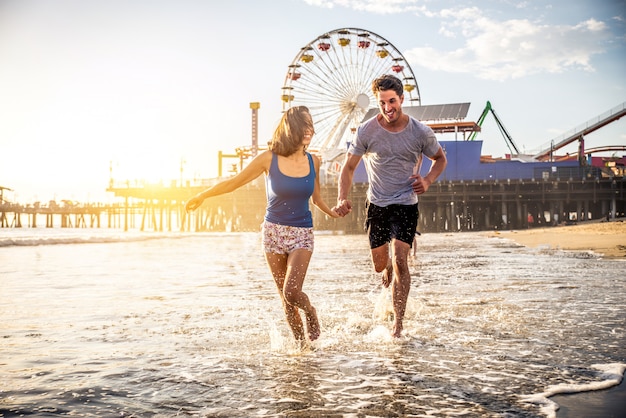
391 145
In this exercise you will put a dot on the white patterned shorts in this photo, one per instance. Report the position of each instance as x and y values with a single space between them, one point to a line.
283 239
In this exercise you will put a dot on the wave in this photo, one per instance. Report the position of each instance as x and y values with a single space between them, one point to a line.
610 374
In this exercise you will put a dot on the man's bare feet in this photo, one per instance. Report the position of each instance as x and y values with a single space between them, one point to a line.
396 331
312 325
387 275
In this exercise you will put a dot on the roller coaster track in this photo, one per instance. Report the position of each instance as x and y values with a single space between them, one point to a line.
580 132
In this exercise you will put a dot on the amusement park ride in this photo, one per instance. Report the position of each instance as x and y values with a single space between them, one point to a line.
332 75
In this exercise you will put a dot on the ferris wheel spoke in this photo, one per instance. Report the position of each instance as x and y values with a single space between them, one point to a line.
325 83
332 76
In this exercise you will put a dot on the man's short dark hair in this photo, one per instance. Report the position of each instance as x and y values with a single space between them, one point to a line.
387 82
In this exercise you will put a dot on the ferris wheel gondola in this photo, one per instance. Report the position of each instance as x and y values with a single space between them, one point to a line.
332 76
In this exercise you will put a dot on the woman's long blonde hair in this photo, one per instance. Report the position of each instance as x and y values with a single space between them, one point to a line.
289 134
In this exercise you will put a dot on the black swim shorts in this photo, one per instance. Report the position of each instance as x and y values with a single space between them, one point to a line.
393 221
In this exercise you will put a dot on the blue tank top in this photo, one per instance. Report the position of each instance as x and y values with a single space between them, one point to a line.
288 197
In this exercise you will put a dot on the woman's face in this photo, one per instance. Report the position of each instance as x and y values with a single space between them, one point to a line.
308 136
308 133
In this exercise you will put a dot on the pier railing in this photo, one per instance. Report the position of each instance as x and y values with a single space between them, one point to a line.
447 206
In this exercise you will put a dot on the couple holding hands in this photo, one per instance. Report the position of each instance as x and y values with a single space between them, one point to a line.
391 145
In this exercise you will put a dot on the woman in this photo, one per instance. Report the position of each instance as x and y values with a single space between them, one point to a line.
292 178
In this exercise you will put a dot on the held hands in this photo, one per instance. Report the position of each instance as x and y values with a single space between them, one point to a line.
420 185
343 207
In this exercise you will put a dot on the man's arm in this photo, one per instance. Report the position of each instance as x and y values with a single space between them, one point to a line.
439 164
344 206
421 184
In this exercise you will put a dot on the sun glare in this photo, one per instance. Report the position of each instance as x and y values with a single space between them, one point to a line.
164 171
146 171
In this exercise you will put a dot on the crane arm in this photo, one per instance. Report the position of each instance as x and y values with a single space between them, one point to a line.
508 138
480 121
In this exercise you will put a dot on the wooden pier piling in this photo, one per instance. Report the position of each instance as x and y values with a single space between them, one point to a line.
447 206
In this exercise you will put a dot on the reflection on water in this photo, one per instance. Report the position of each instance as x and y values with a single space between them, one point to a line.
191 325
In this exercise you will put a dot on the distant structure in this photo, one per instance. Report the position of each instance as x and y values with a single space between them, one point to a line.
332 76
255 127
2 189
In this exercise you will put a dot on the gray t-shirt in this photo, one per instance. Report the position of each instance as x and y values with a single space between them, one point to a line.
391 157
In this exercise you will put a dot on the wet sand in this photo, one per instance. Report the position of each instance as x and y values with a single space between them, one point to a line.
605 238
607 403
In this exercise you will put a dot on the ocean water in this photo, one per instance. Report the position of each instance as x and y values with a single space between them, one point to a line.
106 323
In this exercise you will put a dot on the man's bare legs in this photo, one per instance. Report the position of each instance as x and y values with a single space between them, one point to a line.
401 282
383 263
289 272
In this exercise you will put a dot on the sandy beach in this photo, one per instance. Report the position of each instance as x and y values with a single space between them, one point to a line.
605 238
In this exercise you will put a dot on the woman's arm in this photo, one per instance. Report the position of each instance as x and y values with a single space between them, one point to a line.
259 165
316 198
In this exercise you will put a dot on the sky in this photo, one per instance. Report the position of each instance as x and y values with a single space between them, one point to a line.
151 90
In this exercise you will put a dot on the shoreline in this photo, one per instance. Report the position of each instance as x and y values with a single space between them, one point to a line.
607 239
604 403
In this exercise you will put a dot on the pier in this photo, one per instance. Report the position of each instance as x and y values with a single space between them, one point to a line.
474 192
448 206
451 206
64 215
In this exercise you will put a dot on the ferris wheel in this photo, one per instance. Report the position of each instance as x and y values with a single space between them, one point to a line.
332 76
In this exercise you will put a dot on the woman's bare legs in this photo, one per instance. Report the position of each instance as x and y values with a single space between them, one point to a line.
289 272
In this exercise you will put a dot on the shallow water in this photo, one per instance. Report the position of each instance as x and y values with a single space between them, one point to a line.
96 323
